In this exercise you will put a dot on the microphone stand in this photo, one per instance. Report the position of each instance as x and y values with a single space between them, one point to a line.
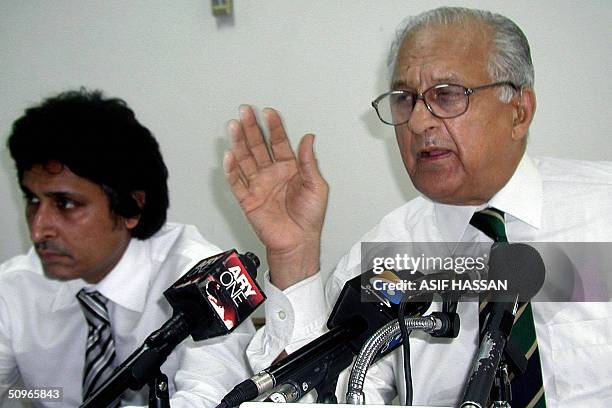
513 360
496 354
324 380
326 389
158 391
142 367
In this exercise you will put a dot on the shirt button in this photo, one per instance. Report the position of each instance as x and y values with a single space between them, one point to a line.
282 315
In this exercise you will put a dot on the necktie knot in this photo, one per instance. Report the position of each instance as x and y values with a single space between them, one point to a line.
94 308
491 222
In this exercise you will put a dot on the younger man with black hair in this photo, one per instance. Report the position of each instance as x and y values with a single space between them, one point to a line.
91 288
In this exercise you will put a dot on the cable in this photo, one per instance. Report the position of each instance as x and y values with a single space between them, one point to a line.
406 349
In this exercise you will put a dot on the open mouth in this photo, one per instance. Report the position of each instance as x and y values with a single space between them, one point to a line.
434 154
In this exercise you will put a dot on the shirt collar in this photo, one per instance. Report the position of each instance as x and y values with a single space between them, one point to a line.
126 285
520 198
452 220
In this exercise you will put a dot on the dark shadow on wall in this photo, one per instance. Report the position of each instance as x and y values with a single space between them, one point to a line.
14 195
386 133
224 200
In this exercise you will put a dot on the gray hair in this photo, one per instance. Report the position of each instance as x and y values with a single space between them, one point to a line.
509 61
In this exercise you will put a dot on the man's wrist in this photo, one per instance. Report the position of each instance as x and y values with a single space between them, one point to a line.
291 267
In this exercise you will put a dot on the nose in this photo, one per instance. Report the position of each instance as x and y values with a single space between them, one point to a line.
421 119
42 222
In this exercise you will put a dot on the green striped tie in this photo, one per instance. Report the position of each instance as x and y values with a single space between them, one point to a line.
527 388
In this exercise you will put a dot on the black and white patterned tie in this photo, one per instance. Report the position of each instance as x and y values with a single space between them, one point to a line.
100 347
527 388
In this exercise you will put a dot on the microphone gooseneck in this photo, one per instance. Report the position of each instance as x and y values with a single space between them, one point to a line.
435 323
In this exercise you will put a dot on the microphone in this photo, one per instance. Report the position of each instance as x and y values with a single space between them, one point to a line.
359 311
217 294
522 267
210 300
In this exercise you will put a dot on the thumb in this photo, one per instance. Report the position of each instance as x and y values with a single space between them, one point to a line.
306 160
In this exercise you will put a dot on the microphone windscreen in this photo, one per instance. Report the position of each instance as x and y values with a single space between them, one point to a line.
521 266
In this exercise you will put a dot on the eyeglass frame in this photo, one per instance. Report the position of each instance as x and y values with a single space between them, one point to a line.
421 96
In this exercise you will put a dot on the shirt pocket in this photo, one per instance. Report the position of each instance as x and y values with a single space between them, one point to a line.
581 358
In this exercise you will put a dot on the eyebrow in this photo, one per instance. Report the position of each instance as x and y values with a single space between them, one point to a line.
53 194
399 84
445 78
450 78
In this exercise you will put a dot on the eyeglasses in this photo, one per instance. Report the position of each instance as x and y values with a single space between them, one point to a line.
444 101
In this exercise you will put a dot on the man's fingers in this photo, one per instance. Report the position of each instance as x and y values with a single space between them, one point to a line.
240 150
254 137
307 162
279 143
234 177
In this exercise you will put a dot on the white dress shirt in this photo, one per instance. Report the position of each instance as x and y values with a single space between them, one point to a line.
546 200
43 329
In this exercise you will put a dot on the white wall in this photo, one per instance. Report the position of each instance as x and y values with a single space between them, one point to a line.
319 62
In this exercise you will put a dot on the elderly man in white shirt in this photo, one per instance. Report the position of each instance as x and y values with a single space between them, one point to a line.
461 102
90 290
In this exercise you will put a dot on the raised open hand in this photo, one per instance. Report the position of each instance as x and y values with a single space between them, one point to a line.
283 196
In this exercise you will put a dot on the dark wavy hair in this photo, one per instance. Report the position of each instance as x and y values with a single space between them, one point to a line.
99 139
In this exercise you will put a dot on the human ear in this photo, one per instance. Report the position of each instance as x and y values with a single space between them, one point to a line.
524 106
140 198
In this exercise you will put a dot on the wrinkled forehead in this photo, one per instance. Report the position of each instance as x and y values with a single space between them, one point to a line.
439 53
